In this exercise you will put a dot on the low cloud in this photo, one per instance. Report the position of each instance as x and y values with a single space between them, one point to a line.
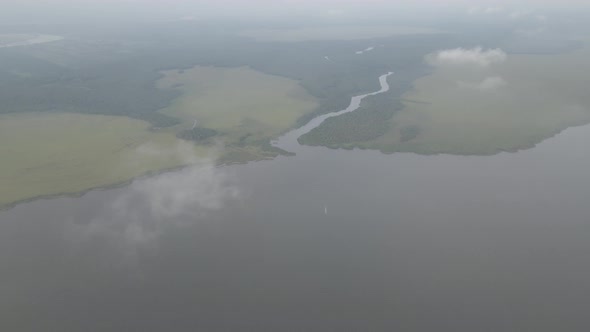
488 84
137 215
461 56
189 192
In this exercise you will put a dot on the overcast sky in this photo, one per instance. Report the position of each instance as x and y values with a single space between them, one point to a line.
31 11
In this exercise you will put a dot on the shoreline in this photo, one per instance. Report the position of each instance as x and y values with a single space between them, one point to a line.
118 185
151 174
290 140
288 143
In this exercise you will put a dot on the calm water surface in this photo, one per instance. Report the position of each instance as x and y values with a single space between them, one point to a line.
409 243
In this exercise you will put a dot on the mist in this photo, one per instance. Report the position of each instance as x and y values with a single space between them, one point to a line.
143 11
211 166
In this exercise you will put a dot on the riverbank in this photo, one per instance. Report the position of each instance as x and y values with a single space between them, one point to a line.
455 110
49 154
290 141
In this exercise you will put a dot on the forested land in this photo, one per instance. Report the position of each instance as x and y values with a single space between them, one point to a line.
114 72
372 119
116 76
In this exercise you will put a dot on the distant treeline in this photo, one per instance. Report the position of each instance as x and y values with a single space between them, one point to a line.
372 119
197 134
118 78
367 123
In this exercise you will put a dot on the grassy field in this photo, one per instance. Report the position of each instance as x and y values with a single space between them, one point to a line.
542 96
247 107
450 112
57 153
51 153
332 33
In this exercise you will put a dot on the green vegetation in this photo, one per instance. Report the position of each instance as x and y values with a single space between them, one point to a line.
117 89
371 120
116 74
240 106
57 153
367 123
197 134
120 92
236 101
444 114
408 133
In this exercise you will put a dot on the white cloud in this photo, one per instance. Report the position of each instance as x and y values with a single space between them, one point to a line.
188 192
137 215
368 49
488 84
462 56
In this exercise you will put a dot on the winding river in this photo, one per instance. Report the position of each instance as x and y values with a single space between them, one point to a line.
327 240
288 142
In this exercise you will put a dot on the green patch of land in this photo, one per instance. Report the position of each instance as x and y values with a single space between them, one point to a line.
242 107
115 76
367 123
51 153
450 111
62 153
333 33
254 92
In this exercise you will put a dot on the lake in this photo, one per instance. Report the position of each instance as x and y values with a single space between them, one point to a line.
328 240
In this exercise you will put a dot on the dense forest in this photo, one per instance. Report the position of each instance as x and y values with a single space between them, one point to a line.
116 75
368 122
197 134
114 72
371 119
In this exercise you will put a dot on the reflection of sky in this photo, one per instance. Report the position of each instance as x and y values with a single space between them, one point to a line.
403 233
136 217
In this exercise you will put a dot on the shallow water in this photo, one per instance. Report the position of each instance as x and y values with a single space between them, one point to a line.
409 243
